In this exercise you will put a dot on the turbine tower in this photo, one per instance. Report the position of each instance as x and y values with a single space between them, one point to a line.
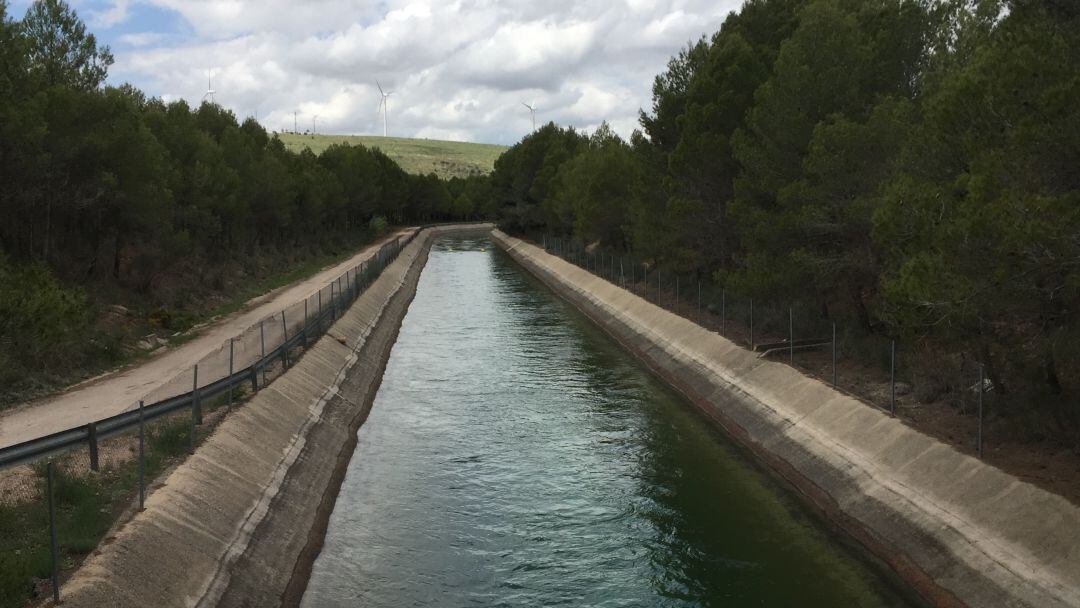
209 89
382 105
532 111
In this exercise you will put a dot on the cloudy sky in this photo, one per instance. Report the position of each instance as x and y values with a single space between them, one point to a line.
459 70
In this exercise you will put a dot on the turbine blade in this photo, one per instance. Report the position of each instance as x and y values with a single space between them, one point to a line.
380 86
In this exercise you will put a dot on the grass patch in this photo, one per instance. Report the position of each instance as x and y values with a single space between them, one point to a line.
86 506
418 156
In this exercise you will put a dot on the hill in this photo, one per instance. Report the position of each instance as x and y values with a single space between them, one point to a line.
419 156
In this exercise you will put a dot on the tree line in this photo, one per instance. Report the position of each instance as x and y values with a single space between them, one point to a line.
110 196
910 168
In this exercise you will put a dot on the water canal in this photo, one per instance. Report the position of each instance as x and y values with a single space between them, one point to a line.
515 456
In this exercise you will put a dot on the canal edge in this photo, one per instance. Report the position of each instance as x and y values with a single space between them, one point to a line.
946 560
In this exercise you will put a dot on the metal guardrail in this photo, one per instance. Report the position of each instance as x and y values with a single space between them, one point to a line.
90 434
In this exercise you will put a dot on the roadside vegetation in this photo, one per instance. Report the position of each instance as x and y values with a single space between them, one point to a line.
910 169
123 215
446 159
88 504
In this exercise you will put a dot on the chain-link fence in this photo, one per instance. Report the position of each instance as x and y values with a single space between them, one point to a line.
129 448
876 370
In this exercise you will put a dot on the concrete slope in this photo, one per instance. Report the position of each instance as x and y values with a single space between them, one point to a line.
962 533
120 391
271 460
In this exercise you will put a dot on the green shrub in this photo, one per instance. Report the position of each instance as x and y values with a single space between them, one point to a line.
377 225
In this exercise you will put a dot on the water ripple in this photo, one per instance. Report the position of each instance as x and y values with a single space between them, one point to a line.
515 457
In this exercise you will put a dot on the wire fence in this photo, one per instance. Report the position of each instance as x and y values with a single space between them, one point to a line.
876 370
128 448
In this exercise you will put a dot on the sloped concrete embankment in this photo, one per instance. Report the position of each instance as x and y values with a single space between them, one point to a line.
960 532
242 519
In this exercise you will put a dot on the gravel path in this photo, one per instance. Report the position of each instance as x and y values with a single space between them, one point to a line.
118 391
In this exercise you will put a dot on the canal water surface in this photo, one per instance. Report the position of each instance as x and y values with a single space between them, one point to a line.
515 456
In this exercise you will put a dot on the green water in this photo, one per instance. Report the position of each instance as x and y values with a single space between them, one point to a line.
515 456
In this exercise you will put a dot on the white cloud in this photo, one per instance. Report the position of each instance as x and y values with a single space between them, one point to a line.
116 13
459 69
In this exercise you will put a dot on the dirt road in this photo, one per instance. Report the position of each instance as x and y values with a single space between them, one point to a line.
121 390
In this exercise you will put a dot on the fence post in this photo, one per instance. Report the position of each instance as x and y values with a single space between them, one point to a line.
659 287
320 311
791 335
52 537
834 355
142 460
676 292
305 323
91 431
723 312
982 389
284 342
699 297
229 404
262 350
892 378
645 282
196 404
751 324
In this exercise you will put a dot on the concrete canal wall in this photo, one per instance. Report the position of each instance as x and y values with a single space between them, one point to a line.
960 532
241 521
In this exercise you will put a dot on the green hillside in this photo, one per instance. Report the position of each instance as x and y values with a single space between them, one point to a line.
419 156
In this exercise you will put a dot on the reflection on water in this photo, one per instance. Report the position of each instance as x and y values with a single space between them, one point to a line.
516 457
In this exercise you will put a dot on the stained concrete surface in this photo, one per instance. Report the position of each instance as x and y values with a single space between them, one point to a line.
961 532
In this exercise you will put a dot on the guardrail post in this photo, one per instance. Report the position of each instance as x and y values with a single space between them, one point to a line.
52 537
142 460
255 378
320 311
196 405
91 431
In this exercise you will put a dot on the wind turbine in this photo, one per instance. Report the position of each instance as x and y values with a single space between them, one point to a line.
209 89
532 111
313 119
383 104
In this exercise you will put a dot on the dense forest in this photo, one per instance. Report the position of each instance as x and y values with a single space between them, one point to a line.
110 197
909 168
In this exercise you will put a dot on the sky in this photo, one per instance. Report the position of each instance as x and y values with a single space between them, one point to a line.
459 70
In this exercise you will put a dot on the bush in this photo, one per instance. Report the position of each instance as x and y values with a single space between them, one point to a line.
377 226
44 327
